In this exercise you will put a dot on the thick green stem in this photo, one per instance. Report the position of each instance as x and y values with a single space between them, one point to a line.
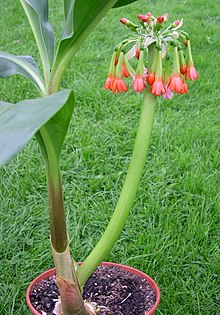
67 281
59 238
128 192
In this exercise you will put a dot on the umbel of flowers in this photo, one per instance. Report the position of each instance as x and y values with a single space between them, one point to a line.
162 57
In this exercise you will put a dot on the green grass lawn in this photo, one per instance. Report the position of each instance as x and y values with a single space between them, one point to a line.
173 230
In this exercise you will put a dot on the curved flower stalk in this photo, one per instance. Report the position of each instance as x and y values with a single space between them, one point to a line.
150 45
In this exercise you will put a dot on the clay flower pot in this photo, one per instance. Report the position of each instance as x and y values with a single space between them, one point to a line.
52 271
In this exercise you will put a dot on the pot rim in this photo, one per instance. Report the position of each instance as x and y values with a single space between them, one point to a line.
137 272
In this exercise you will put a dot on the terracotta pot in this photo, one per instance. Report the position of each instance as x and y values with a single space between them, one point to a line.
51 272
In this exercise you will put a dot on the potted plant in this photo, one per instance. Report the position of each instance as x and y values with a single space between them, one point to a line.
153 44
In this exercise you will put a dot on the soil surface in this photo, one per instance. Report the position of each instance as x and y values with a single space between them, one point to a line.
114 291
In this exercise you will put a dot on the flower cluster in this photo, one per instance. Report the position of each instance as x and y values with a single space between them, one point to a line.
157 48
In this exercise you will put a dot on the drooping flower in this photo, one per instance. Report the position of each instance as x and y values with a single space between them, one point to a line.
191 72
139 79
125 72
183 66
109 82
184 89
151 77
119 84
151 74
168 94
185 86
175 83
138 83
157 88
111 75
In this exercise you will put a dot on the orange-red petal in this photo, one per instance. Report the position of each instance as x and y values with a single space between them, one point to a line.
175 83
191 73
157 87
119 85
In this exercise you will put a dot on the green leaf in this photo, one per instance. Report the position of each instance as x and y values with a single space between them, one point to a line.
24 65
37 13
20 122
81 17
56 129
121 3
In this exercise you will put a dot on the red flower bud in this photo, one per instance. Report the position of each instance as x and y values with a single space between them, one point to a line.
148 14
124 21
165 17
140 16
137 53
151 78
146 18
183 68
176 23
129 24
160 19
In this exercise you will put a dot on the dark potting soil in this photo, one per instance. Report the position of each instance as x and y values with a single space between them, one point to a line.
114 291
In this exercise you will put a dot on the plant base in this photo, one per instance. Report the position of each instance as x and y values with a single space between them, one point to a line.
113 275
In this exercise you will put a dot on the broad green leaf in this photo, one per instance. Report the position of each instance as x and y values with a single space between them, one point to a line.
24 65
121 3
81 18
56 128
37 13
20 122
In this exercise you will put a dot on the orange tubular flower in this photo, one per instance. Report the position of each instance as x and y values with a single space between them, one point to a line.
191 73
183 69
184 89
139 79
157 88
151 78
183 66
175 83
111 75
119 85
109 82
114 81
151 75
125 72
139 84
